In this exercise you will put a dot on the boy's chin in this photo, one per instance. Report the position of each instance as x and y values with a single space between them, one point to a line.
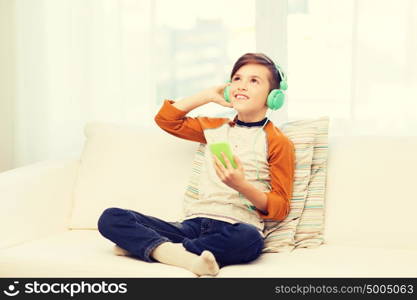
246 111
239 109
240 105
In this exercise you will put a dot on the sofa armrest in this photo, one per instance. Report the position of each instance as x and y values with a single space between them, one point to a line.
36 200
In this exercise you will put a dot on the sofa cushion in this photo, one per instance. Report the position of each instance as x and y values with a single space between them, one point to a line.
84 253
370 193
78 253
330 261
129 167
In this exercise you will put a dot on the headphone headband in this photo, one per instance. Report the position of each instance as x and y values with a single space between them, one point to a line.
277 67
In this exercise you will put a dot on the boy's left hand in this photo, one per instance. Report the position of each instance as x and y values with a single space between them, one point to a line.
235 178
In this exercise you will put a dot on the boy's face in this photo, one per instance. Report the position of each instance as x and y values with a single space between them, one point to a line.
252 82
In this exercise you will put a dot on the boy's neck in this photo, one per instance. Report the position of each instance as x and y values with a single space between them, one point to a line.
251 119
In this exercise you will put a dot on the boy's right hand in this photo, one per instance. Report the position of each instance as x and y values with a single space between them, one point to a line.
215 94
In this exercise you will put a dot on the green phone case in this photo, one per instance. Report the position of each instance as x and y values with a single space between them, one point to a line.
218 148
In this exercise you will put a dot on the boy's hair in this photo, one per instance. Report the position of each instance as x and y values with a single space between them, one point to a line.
260 59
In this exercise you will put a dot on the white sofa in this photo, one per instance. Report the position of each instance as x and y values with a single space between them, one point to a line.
49 209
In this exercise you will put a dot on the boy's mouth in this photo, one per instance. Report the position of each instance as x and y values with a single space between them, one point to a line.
241 97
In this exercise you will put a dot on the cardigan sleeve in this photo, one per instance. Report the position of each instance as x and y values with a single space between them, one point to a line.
175 122
281 167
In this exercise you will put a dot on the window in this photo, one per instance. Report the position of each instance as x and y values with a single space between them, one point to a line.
356 62
319 58
196 46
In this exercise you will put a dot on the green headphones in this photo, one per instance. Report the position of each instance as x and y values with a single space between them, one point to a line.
276 97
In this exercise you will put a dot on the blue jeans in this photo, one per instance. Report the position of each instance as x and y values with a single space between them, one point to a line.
140 235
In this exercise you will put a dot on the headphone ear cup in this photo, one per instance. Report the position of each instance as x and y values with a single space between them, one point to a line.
283 85
275 99
226 94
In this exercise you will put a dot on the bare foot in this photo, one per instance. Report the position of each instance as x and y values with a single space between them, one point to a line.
120 251
205 264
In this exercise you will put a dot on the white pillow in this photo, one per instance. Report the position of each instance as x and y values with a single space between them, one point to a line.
128 167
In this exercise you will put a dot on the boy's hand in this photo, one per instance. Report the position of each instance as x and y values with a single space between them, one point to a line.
215 94
235 178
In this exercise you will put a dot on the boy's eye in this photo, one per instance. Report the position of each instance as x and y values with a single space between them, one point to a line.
237 78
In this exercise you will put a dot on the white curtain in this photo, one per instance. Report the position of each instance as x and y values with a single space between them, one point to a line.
78 61
355 61
94 60
384 87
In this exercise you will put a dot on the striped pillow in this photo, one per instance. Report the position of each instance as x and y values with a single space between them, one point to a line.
192 192
279 235
309 233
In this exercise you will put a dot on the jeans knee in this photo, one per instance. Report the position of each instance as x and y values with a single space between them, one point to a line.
255 250
241 236
107 219
245 234
248 240
243 243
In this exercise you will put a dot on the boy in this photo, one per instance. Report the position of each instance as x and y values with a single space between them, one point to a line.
224 226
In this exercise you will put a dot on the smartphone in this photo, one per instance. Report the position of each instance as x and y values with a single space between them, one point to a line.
218 148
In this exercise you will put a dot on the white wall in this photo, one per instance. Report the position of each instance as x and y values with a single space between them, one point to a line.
7 81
